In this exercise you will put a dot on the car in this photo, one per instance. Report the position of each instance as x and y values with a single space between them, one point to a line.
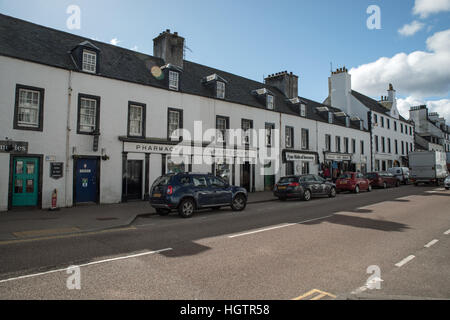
354 182
401 173
447 183
382 180
189 192
304 187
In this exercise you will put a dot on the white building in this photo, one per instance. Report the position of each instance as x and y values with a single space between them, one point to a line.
392 136
432 134
95 122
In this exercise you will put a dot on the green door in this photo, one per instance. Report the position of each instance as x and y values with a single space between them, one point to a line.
25 182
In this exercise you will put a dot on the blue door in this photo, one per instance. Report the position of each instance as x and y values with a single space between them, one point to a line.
86 180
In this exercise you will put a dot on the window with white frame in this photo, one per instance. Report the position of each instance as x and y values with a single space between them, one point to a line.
247 125
87 115
220 90
305 139
174 123
303 110
289 136
269 134
173 80
221 127
28 108
136 120
270 100
89 61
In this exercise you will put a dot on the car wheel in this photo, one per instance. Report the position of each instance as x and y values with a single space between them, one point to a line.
447 188
239 203
332 193
307 195
186 208
162 212
357 189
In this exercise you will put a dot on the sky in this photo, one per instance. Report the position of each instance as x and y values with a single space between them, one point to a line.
406 44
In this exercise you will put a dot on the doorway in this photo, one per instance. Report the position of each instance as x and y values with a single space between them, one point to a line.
134 180
87 180
245 176
25 181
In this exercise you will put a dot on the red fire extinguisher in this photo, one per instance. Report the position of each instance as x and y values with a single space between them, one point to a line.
54 200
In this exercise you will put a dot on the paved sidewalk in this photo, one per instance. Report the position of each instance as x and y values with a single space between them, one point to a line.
30 224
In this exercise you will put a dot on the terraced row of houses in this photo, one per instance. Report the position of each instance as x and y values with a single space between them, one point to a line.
99 123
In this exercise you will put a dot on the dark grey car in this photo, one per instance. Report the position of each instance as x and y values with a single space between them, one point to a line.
304 187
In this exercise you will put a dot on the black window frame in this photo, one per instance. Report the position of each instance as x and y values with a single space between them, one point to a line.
242 128
307 139
353 146
361 145
97 114
227 127
291 129
328 140
180 111
144 119
40 126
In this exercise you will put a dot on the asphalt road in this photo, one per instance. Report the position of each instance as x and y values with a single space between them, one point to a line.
320 249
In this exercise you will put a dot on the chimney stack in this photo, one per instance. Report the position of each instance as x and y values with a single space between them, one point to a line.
285 82
169 47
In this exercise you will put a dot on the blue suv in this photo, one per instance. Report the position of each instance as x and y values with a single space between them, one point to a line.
187 192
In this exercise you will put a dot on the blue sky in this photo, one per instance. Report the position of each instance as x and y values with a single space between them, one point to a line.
254 38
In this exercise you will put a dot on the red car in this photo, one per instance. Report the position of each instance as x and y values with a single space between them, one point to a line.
382 180
354 182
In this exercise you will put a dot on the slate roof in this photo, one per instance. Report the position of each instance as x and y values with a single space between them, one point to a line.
374 105
31 42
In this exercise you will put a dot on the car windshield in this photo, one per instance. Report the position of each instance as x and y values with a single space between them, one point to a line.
288 180
345 176
371 176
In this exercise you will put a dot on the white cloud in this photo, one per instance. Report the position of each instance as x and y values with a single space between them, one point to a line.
440 106
411 29
114 41
134 48
420 73
425 8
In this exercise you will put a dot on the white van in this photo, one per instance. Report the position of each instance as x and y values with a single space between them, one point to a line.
401 173
428 167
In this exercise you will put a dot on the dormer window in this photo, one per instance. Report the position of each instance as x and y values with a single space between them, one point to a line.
270 102
303 110
89 61
173 80
220 90
330 117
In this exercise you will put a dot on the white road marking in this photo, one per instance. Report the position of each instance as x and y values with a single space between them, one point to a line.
447 232
276 227
431 243
88 264
405 261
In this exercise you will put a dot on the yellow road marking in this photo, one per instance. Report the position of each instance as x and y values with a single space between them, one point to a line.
64 236
44 232
321 295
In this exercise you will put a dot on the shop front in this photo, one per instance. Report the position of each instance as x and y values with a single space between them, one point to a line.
336 163
300 162
137 175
